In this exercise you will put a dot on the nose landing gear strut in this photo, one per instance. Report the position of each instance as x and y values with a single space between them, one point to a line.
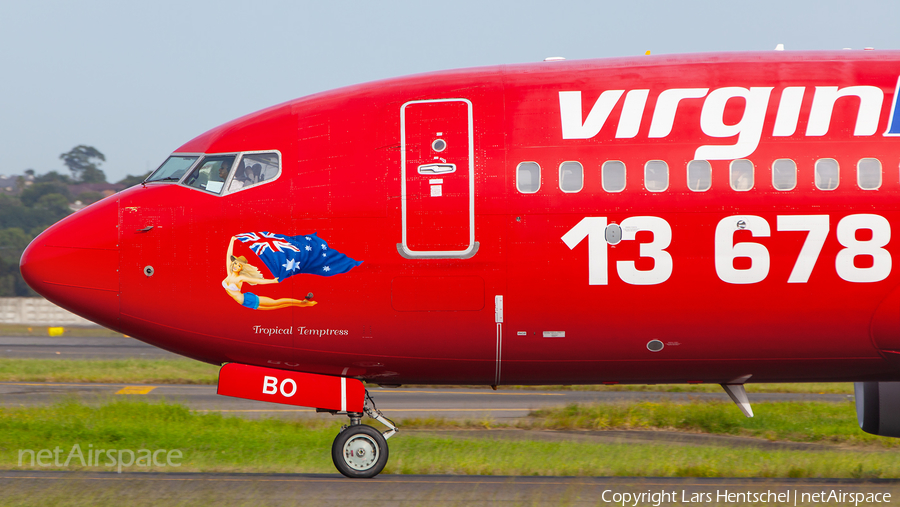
359 450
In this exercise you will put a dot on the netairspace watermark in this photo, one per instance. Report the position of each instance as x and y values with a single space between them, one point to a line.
768 497
120 458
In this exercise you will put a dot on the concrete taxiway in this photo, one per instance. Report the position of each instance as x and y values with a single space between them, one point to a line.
65 347
434 490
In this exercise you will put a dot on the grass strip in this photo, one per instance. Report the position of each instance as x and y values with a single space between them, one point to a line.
113 371
208 442
188 371
805 421
444 455
211 442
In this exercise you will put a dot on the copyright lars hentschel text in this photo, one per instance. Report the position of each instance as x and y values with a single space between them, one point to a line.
788 496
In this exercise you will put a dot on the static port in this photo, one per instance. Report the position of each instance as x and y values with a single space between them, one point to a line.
655 345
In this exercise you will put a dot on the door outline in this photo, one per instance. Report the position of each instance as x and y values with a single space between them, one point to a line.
402 247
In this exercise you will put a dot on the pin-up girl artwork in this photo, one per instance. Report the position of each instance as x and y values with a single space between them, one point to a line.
284 256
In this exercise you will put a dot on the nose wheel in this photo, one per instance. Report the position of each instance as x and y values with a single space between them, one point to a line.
360 451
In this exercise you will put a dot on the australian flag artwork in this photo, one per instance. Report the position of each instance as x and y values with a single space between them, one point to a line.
286 256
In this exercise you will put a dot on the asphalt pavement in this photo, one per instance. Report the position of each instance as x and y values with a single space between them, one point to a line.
434 490
66 347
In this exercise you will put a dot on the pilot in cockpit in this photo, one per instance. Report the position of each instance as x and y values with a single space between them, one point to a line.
224 169
243 177
254 173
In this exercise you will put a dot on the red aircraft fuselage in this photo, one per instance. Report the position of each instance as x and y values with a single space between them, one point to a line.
641 220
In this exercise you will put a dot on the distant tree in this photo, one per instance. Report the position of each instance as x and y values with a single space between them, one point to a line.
9 202
30 195
12 242
33 220
54 203
29 172
83 161
53 176
89 197
132 180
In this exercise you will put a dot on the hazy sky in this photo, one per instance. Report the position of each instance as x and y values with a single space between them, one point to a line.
138 79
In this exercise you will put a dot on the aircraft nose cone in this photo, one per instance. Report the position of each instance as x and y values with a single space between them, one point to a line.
75 263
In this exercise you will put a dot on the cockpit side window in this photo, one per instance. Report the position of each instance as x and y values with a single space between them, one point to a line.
254 169
173 168
211 173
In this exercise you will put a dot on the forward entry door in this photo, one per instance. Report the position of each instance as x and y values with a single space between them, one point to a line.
437 175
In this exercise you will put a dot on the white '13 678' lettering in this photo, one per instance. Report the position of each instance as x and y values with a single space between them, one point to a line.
727 250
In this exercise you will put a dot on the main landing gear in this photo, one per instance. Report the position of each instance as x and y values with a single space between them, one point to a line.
360 451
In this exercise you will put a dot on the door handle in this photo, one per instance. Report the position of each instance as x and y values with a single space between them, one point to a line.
437 168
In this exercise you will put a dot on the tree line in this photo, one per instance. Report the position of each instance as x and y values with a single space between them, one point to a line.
38 201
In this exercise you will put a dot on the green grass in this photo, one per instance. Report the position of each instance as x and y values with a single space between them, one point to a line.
188 371
820 422
442 455
113 371
799 421
208 441
211 442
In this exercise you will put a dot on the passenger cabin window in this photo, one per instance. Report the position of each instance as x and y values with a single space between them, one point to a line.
868 173
699 175
173 168
741 175
211 173
656 175
784 174
571 177
612 176
253 169
528 177
827 174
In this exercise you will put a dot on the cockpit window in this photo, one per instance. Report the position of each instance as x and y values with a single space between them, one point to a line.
253 169
211 173
173 168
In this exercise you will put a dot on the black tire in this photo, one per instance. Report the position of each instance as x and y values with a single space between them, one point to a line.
359 452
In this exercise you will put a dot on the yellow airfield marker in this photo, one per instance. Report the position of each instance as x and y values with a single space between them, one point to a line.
135 390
